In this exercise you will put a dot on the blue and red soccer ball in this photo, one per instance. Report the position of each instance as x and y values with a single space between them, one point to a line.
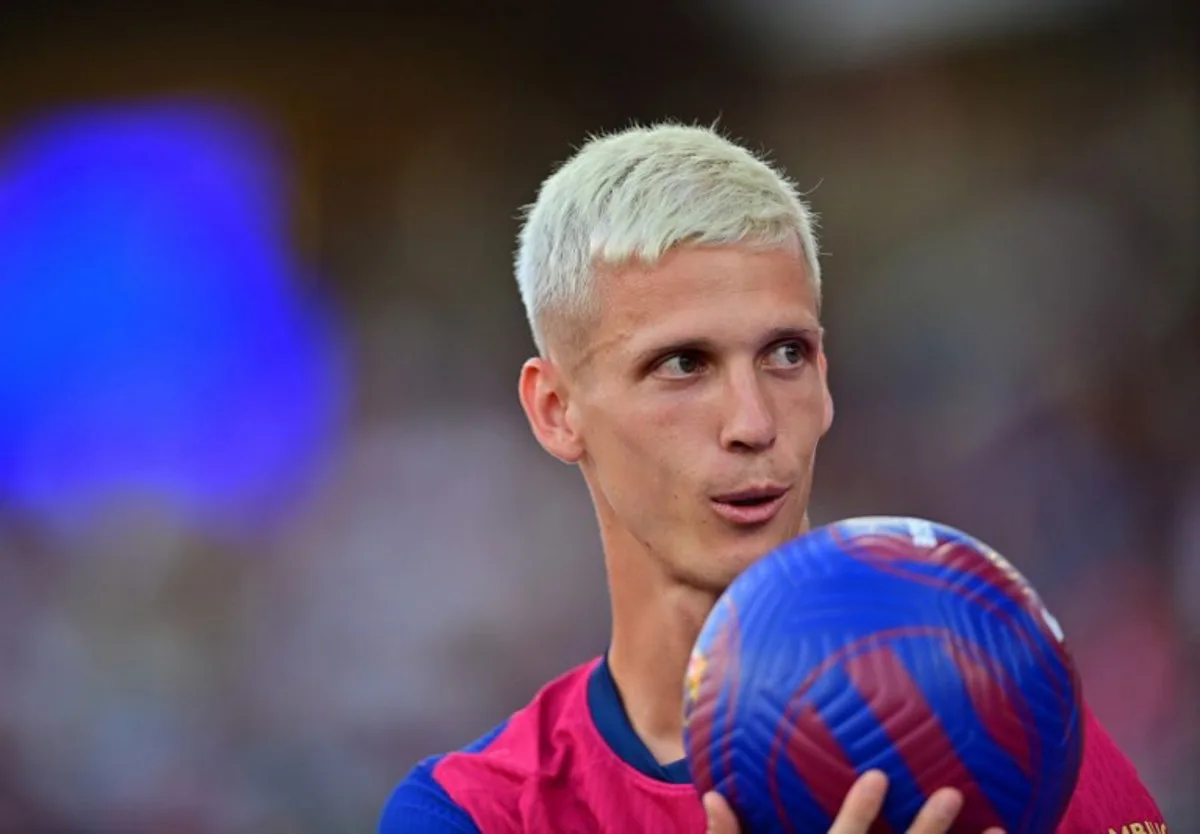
888 643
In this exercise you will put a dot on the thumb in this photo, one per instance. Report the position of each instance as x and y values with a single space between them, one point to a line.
721 819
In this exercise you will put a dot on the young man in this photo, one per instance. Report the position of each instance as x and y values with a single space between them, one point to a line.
672 285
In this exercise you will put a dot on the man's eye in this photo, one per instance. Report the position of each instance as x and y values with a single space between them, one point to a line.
681 365
789 354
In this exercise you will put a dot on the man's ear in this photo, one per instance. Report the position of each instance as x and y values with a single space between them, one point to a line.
545 399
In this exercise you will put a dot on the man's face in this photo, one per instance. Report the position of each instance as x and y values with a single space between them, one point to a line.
698 398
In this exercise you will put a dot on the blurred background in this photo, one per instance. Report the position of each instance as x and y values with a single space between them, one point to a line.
271 524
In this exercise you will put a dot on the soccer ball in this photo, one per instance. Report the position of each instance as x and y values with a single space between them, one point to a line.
884 643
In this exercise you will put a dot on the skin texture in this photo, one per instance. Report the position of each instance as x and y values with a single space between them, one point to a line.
700 377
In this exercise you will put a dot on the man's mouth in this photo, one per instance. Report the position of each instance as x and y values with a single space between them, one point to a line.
751 506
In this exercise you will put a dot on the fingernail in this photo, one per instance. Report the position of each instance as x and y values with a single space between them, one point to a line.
878 781
947 803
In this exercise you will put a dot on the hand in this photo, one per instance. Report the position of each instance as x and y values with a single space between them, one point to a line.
861 807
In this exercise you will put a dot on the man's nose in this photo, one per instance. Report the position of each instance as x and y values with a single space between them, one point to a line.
750 423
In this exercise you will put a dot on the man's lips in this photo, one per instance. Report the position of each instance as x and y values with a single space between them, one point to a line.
752 505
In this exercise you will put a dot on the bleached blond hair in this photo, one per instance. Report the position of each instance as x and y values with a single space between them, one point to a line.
634 195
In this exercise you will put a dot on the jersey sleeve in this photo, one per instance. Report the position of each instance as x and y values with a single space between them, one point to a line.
1110 794
420 805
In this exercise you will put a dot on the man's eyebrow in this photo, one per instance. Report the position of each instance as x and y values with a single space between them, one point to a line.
794 332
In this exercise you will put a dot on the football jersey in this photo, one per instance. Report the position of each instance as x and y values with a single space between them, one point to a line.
570 762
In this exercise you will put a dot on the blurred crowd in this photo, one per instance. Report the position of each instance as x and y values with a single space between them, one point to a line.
1012 304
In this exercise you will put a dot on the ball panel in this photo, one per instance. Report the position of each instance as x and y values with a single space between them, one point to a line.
727 727
713 674
1000 745
1013 609
998 787
859 732
916 733
698 731
938 545
808 769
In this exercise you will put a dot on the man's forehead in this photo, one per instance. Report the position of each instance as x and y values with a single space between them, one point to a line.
701 294
716 272
704 304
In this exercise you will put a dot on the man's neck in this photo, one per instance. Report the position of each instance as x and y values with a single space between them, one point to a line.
655 625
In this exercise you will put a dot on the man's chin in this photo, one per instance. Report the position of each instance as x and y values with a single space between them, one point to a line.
750 545
737 559
723 561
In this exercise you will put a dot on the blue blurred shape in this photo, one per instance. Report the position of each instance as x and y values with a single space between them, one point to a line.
155 343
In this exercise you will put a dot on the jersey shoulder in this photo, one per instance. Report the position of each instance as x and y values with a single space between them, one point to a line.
1110 794
421 805
480 786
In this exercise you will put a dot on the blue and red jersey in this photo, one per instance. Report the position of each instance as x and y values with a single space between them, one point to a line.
570 762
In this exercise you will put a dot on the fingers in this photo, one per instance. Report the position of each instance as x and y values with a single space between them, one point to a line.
938 812
862 804
859 811
721 819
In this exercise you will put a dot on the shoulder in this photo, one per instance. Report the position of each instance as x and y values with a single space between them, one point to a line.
460 791
420 805
1109 794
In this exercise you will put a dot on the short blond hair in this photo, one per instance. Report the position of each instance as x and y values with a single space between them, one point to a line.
636 194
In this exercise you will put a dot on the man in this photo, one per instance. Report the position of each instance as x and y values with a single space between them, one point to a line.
672 285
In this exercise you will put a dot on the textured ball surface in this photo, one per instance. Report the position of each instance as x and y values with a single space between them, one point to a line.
889 643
